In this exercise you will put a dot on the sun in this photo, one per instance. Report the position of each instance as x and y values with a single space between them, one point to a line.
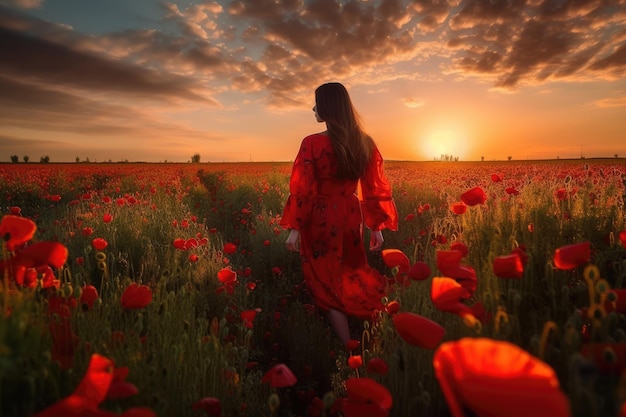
444 144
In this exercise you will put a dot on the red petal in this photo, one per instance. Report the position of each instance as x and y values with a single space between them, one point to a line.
395 257
418 330
572 256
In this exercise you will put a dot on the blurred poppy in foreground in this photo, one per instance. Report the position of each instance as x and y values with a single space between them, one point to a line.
395 258
610 358
377 366
497 378
418 330
16 230
279 376
210 405
136 296
447 295
449 264
366 397
89 393
572 256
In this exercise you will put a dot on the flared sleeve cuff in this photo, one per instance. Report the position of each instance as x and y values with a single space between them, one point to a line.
380 214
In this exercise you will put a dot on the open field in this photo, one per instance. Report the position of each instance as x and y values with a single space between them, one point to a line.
506 294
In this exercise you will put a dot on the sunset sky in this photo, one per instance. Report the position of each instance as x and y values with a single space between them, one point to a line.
149 80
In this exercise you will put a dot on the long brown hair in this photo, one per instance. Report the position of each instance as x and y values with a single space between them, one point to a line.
353 147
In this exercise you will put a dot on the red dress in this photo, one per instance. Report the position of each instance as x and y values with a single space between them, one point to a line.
330 217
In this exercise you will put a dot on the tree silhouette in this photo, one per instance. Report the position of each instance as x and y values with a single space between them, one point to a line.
25 158
15 159
44 159
195 158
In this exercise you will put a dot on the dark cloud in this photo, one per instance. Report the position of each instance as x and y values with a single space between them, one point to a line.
281 50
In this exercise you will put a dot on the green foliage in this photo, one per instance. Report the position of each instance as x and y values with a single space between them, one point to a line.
190 342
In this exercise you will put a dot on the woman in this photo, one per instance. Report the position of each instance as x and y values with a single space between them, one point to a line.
326 216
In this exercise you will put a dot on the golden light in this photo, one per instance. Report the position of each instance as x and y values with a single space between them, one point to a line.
446 144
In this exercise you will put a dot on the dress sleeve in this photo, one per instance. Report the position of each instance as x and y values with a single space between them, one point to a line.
302 185
377 204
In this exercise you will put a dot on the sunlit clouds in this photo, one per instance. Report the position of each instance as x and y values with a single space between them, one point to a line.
208 77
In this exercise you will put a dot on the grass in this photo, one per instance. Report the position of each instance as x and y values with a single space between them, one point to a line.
190 342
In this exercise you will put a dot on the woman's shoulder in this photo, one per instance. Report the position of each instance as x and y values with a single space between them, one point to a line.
316 138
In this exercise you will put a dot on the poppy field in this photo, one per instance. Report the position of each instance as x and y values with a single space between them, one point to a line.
142 290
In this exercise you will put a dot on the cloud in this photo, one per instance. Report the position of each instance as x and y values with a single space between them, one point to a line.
611 102
22 4
534 42
413 102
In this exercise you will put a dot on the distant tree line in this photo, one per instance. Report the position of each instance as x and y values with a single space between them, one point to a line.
447 158
16 159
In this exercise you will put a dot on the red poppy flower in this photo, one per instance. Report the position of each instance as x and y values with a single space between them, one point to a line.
448 263
497 378
419 271
210 405
193 258
392 307
352 344
368 391
16 230
418 330
377 366
279 376
508 266
121 390
396 258
496 178
89 393
107 218
458 208
622 238
355 361
608 357
88 297
42 253
227 275
512 191
180 244
247 317
572 256
474 196
230 248
447 294
461 247
99 243
561 194
136 296
521 252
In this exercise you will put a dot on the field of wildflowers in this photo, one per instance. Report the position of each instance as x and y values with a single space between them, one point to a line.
166 290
